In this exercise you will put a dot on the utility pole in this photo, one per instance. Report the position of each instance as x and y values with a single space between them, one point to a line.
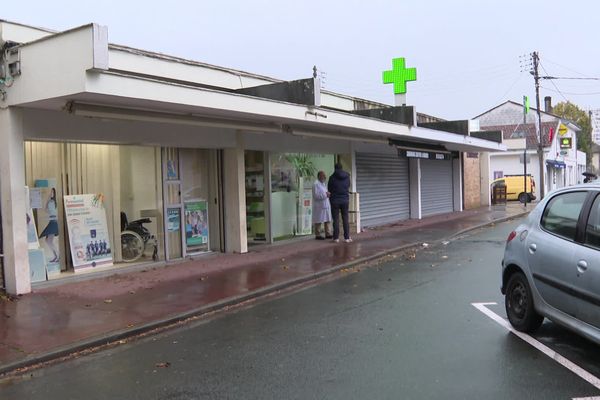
525 110
536 77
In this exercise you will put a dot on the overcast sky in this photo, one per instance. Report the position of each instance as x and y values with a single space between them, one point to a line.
467 53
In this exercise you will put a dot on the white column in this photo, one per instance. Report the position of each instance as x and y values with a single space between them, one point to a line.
236 239
414 167
12 195
457 182
484 173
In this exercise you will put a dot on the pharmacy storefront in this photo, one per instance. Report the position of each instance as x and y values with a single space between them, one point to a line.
279 193
98 206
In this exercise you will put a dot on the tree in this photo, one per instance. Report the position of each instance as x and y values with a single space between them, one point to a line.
581 118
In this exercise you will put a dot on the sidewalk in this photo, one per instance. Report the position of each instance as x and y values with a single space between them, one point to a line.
57 320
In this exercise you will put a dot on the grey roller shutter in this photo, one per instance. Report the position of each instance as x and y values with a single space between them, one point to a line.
436 187
383 186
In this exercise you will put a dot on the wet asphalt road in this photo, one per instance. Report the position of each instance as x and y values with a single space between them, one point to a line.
404 329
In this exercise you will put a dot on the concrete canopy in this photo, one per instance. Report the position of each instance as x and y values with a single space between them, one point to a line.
78 70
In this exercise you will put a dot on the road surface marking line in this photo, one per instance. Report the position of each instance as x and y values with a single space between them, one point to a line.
576 369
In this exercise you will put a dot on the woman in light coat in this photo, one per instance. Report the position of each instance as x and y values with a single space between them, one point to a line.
321 207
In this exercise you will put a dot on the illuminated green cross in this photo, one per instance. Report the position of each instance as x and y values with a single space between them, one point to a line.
399 75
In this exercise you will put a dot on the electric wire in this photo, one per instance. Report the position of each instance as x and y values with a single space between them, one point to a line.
554 84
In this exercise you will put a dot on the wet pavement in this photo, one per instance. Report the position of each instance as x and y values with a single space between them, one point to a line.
59 318
403 329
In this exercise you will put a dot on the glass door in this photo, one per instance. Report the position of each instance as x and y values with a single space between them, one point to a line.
257 189
173 204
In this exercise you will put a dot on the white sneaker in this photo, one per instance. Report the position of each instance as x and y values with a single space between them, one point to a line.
348 240
336 240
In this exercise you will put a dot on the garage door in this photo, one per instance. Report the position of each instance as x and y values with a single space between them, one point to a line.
436 187
382 182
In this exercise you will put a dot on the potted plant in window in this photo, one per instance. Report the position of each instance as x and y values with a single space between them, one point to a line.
305 168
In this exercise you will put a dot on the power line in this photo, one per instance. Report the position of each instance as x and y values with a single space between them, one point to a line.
572 93
565 67
554 84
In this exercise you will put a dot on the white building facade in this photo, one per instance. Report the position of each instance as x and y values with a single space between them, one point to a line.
563 163
207 157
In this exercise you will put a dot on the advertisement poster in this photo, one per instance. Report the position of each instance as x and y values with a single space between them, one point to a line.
196 223
173 220
47 222
88 231
306 209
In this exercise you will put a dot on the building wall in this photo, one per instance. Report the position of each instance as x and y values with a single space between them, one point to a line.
472 181
510 164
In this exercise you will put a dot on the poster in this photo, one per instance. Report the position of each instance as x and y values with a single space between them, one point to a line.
306 212
173 220
196 223
47 221
88 231
35 198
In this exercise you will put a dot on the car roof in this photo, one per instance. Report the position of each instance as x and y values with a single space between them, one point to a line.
589 185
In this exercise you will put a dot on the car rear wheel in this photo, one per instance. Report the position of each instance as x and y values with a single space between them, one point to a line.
519 304
523 197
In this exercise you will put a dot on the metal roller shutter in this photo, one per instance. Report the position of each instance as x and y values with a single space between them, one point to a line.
382 182
436 187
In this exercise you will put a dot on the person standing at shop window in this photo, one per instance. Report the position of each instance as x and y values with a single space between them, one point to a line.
339 187
51 229
321 214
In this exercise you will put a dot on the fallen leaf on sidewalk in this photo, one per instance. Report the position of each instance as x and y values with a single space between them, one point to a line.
108 301
285 267
163 365
444 257
131 292
130 325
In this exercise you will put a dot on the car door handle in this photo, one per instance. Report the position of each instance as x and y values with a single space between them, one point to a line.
582 266
532 248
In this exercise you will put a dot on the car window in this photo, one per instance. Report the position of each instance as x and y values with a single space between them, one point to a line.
562 212
592 230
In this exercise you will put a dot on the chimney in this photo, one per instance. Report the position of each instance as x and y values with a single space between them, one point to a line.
548 104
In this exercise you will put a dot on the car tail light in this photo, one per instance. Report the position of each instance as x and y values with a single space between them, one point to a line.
511 236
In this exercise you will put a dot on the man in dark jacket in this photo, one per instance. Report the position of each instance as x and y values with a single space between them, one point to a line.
339 187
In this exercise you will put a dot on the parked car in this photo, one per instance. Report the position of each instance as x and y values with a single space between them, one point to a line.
515 187
551 265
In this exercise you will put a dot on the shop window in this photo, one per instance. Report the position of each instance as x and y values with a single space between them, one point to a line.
256 223
124 180
292 177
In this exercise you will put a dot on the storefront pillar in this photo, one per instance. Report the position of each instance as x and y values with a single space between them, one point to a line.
414 167
12 195
484 169
457 183
236 240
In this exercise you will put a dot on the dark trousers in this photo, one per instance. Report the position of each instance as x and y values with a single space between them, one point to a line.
335 211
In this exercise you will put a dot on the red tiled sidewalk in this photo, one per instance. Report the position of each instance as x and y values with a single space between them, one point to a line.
56 320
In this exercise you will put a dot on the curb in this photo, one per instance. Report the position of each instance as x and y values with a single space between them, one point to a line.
115 336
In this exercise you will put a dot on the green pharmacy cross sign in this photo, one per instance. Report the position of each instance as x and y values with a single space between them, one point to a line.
399 75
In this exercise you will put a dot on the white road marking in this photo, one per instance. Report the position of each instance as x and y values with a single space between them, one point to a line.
576 369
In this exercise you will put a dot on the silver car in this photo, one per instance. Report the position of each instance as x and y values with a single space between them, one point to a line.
551 265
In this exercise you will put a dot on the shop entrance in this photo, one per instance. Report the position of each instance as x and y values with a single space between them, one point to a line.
279 193
193 216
